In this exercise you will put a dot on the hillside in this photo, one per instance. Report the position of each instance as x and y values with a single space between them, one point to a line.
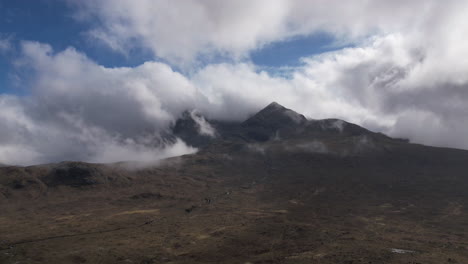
276 188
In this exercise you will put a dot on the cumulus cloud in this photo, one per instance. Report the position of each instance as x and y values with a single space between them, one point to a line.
406 61
79 110
82 111
182 31
404 75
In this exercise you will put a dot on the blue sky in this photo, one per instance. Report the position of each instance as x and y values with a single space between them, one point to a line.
289 52
52 22
136 65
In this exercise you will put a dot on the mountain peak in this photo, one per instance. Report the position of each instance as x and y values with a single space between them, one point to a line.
274 105
271 120
275 113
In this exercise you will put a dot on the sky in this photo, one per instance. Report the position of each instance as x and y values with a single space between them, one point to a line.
102 80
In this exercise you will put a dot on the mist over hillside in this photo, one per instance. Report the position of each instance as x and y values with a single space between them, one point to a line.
275 188
110 86
217 131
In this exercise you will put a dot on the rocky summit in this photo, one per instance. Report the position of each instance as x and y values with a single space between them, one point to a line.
276 188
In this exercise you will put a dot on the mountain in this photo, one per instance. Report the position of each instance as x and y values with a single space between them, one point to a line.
272 121
280 126
276 188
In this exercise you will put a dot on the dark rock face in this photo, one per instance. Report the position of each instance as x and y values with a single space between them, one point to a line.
187 129
75 174
274 122
185 125
19 178
274 117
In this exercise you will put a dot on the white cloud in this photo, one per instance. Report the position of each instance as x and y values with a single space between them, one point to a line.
181 31
82 111
78 110
378 85
204 128
405 75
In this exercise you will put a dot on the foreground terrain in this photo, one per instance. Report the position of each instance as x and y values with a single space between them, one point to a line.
274 189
